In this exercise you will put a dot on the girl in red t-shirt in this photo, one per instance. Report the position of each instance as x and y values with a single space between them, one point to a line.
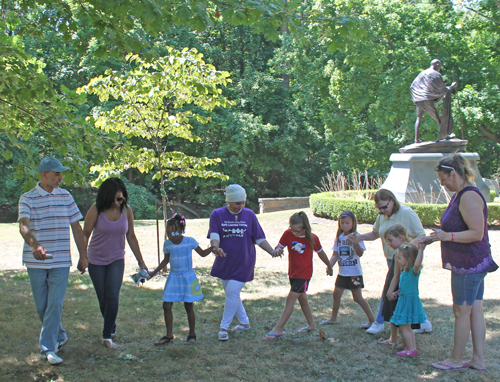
300 242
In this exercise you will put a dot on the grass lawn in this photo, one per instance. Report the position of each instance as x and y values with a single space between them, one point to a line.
351 356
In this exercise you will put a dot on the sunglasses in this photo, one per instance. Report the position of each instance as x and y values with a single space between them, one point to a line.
384 207
120 199
448 167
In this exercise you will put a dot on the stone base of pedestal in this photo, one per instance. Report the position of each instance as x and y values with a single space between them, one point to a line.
413 180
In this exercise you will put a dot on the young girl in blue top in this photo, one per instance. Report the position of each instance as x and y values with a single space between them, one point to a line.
182 283
409 309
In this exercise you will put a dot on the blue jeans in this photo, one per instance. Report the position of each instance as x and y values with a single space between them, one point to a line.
107 280
48 287
380 318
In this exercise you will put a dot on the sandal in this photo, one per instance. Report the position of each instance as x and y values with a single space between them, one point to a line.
108 342
190 340
239 328
164 340
365 325
223 336
381 341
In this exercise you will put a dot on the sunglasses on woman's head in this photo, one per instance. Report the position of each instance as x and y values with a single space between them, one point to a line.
448 167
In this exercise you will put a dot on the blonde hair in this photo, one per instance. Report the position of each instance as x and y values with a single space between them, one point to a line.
300 218
347 214
386 195
410 253
458 164
397 230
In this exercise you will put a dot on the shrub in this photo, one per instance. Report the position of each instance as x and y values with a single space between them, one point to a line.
332 204
493 194
141 201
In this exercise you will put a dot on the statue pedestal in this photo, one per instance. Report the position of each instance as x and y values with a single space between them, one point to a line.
412 178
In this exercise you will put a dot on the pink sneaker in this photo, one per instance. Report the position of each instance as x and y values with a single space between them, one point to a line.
407 353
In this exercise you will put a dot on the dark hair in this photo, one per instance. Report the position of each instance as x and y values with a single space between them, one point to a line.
347 214
300 218
386 195
177 222
107 192
458 164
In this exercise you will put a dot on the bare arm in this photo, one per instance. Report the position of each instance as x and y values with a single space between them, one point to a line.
214 243
203 252
266 247
37 249
334 258
162 265
369 236
132 239
324 258
81 244
394 282
90 222
419 259
355 241
471 207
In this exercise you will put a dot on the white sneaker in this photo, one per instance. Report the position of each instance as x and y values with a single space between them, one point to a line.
375 328
53 358
426 327
61 344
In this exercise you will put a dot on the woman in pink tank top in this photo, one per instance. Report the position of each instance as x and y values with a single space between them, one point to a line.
110 221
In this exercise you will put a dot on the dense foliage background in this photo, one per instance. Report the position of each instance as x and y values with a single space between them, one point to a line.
316 86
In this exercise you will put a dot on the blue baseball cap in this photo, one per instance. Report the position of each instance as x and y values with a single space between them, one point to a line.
51 164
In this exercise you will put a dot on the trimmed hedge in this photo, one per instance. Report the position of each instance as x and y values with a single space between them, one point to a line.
332 204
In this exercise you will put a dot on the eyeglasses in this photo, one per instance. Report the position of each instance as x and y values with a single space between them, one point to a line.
384 207
120 199
295 231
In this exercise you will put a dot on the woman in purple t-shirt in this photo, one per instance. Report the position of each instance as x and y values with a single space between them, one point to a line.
465 250
234 231
110 221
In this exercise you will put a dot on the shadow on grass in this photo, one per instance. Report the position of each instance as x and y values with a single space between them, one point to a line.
351 355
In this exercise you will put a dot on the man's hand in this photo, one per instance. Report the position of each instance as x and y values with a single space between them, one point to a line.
39 252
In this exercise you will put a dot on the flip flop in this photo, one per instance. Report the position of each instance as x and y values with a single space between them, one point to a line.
365 326
273 337
447 367
189 338
466 364
164 340
239 328
326 322
305 329
381 341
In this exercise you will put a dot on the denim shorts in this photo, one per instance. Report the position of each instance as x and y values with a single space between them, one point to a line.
468 288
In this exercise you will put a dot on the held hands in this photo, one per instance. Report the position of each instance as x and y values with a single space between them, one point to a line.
329 270
393 296
278 252
83 263
218 252
440 235
353 238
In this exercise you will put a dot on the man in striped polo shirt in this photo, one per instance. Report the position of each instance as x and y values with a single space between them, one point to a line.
45 215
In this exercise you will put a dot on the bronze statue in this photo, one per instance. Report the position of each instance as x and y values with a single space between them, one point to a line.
428 89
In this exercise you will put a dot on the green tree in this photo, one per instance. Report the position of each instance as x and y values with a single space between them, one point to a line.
157 101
